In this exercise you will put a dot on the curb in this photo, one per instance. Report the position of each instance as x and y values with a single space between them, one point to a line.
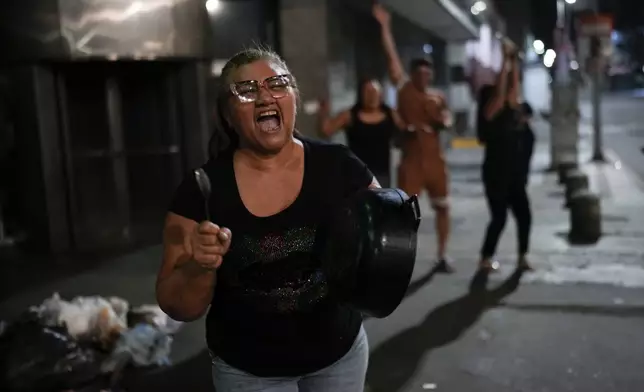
465 143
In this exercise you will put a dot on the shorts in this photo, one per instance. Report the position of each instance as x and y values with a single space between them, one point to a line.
432 176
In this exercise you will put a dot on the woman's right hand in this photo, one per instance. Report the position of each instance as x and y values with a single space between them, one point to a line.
209 244
509 49
381 14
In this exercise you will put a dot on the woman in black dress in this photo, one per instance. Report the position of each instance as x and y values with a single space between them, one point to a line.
503 128
370 126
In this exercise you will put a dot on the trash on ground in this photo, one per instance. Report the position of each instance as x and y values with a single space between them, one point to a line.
35 357
153 315
143 345
63 345
87 318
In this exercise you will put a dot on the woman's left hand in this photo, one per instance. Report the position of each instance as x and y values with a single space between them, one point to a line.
323 108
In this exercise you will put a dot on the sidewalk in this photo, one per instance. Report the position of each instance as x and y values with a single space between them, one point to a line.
616 259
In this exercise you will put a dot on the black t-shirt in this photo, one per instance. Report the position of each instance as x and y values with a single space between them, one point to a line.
508 148
272 314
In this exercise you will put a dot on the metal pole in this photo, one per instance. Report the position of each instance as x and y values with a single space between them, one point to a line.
561 13
561 10
598 140
597 78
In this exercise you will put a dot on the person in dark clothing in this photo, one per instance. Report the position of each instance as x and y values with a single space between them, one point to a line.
370 126
503 127
246 256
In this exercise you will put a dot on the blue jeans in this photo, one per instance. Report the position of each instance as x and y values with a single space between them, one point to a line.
345 375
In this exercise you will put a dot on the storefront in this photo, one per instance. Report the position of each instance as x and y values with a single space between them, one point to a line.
108 110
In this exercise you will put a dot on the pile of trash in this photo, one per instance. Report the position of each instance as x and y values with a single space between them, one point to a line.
66 345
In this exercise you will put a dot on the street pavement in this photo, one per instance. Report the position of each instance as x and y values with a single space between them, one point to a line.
575 324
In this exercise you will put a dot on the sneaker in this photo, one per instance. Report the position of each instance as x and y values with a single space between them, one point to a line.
489 265
444 265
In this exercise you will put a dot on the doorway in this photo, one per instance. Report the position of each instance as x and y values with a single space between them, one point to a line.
122 145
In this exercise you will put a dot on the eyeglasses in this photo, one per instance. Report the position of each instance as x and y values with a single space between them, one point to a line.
249 90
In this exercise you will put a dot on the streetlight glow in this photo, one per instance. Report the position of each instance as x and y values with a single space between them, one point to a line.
571 1
213 6
478 7
549 58
538 46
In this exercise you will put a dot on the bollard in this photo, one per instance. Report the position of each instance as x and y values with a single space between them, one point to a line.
564 168
585 218
576 181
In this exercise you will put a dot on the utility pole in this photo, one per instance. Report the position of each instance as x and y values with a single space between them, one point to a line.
597 77
597 82
564 134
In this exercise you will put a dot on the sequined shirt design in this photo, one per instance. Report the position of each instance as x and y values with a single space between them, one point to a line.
277 272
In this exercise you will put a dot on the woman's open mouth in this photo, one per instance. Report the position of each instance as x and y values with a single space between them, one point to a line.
269 121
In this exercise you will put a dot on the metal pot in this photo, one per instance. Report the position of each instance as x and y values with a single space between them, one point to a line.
369 250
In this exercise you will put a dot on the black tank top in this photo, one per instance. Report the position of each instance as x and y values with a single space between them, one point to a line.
372 142
272 314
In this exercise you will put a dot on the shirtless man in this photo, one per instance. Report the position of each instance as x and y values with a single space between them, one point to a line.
425 111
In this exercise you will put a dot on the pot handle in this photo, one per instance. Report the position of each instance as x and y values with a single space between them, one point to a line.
413 202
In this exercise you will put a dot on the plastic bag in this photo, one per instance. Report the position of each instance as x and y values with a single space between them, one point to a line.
143 345
35 358
153 315
87 318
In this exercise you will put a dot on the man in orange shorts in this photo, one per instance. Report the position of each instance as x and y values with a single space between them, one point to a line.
425 111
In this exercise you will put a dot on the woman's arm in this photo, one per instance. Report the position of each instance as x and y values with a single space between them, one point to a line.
398 121
515 85
499 97
330 125
404 127
396 70
184 289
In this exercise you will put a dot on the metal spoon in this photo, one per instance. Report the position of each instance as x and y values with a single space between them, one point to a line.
204 186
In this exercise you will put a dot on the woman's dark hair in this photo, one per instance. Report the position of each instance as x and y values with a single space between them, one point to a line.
224 137
360 96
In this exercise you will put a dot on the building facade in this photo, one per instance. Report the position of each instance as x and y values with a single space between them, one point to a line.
107 106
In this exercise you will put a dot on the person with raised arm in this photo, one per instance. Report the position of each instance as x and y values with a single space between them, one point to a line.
426 113
503 127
